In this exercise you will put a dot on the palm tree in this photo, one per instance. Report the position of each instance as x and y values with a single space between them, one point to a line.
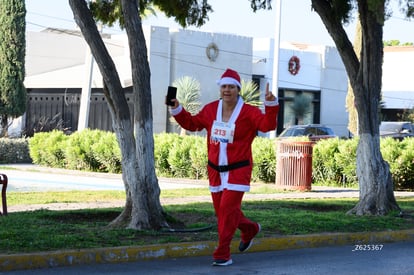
250 93
301 106
188 94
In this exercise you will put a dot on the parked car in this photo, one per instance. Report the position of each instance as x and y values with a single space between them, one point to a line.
315 132
397 129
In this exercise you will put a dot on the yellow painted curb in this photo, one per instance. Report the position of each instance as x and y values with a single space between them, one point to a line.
104 255
177 250
330 239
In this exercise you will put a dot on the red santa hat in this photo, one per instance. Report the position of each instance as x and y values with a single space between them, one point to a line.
230 77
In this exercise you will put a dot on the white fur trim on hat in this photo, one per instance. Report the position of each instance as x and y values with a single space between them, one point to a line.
228 81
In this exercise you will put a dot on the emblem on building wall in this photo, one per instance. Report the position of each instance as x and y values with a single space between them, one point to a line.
212 51
294 65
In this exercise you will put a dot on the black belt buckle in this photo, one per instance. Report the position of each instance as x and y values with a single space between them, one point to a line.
222 168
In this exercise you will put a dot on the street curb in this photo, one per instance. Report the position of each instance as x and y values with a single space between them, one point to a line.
179 250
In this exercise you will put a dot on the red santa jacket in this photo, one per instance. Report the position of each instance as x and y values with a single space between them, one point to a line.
248 122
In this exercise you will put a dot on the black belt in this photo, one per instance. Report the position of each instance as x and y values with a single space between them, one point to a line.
225 168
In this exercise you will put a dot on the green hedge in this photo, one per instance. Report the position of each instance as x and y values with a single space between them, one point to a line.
14 150
48 148
90 150
334 160
400 156
264 157
177 156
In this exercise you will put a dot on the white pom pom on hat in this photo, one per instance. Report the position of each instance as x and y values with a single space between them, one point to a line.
230 77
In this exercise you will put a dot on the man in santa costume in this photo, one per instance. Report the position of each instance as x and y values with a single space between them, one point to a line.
231 128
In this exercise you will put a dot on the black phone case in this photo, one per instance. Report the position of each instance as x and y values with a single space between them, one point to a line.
171 94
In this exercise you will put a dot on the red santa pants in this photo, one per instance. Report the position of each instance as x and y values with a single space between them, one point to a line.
227 205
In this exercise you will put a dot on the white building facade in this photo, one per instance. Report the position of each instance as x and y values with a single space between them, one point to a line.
321 78
397 79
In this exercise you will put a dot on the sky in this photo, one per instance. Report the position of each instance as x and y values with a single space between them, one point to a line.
298 23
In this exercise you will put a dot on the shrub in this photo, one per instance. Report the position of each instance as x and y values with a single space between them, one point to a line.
198 157
35 145
324 167
79 152
106 153
179 157
46 124
264 160
402 167
345 159
48 148
162 144
390 150
14 150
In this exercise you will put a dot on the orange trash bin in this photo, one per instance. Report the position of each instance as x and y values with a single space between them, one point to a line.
294 165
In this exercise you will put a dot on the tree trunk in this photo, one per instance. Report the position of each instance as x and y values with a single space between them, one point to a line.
142 208
376 194
374 176
146 207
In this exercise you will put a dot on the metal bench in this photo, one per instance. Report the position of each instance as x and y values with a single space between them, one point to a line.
3 180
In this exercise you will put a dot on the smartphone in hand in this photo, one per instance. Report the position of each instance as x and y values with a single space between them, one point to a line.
171 94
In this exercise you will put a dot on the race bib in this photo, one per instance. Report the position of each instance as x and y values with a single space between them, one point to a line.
222 132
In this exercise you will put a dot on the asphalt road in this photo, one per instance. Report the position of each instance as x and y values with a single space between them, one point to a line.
387 259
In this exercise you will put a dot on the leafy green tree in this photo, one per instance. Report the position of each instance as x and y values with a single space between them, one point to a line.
397 43
12 61
364 69
392 43
188 94
142 209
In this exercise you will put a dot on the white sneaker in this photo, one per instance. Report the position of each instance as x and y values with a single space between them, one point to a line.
218 262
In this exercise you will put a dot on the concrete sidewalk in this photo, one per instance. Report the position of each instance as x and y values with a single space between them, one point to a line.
177 250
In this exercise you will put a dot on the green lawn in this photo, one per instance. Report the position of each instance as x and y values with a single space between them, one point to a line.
46 230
